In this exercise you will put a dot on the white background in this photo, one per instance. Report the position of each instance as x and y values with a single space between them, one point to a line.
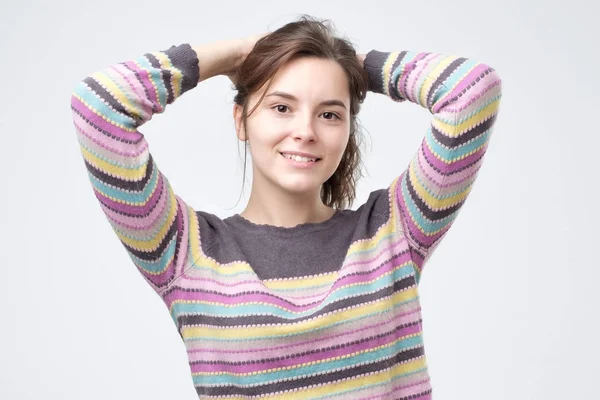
509 298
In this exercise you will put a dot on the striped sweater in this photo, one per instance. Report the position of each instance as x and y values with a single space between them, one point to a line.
328 310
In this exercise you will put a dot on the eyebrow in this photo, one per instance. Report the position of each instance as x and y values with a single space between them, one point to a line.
333 102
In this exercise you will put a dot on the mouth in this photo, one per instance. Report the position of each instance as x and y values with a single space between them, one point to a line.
301 159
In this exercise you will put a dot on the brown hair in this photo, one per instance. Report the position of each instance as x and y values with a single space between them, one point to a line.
308 37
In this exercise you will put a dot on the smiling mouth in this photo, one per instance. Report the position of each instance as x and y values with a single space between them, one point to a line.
294 157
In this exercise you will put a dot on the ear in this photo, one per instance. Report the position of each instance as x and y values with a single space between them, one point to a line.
239 122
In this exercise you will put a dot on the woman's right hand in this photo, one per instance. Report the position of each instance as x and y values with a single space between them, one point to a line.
224 57
245 46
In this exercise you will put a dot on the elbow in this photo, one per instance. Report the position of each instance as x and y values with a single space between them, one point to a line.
492 78
77 95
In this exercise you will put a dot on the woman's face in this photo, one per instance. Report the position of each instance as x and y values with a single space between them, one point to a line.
299 132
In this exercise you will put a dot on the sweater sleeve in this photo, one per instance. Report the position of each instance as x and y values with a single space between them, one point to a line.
463 97
108 107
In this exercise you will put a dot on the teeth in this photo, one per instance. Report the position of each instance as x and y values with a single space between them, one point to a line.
298 158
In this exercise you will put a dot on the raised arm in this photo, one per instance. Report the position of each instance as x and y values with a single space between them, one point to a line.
463 97
108 107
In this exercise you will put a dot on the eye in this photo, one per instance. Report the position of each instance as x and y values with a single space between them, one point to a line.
281 108
330 116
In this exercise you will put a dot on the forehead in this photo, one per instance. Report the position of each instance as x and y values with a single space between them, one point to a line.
312 78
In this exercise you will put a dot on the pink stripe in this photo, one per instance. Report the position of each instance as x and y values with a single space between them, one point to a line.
444 181
420 386
384 251
408 68
416 230
144 106
103 144
230 286
387 267
141 211
451 180
104 124
183 225
471 100
444 167
462 85
150 90
277 301
396 320
136 222
314 357
414 78
162 278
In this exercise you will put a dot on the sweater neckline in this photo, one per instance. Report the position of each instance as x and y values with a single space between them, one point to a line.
300 229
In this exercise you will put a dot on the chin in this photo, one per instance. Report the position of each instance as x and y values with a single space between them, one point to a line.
299 186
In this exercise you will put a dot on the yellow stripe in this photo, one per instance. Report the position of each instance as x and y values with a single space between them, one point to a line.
432 77
315 362
457 130
373 243
223 269
194 235
99 114
387 74
433 202
272 331
304 282
377 378
177 75
389 228
201 260
107 83
153 243
351 384
129 174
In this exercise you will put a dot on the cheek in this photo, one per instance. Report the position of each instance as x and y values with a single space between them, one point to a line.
263 138
337 142
266 132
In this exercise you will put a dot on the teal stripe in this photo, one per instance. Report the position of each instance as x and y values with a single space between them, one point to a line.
454 153
90 97
156 75
303 288
380 283
399 71
138 198
310 331
460 72
374 249
211 271
253 309
421 221
452 118
373 386
264 378
126 92
430 190
453 79
160 265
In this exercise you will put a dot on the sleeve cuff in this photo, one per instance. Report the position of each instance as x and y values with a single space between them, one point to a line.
373 64
185 59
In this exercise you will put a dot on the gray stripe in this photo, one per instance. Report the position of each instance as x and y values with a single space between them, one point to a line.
197 318
398 358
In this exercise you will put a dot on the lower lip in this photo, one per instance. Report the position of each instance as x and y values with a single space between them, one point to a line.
300 164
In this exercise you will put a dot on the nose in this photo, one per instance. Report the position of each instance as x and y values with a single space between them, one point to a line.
305 131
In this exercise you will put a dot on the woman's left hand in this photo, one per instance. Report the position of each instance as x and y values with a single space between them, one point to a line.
361 58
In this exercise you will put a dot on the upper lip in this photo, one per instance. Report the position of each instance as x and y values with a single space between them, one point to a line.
298 153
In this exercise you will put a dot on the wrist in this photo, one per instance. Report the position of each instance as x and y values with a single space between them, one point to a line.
218 58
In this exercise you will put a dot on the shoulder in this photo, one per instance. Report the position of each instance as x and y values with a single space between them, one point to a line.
370 216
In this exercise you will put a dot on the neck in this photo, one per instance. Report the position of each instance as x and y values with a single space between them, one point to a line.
285 209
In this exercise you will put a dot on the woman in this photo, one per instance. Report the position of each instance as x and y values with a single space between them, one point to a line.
298 296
